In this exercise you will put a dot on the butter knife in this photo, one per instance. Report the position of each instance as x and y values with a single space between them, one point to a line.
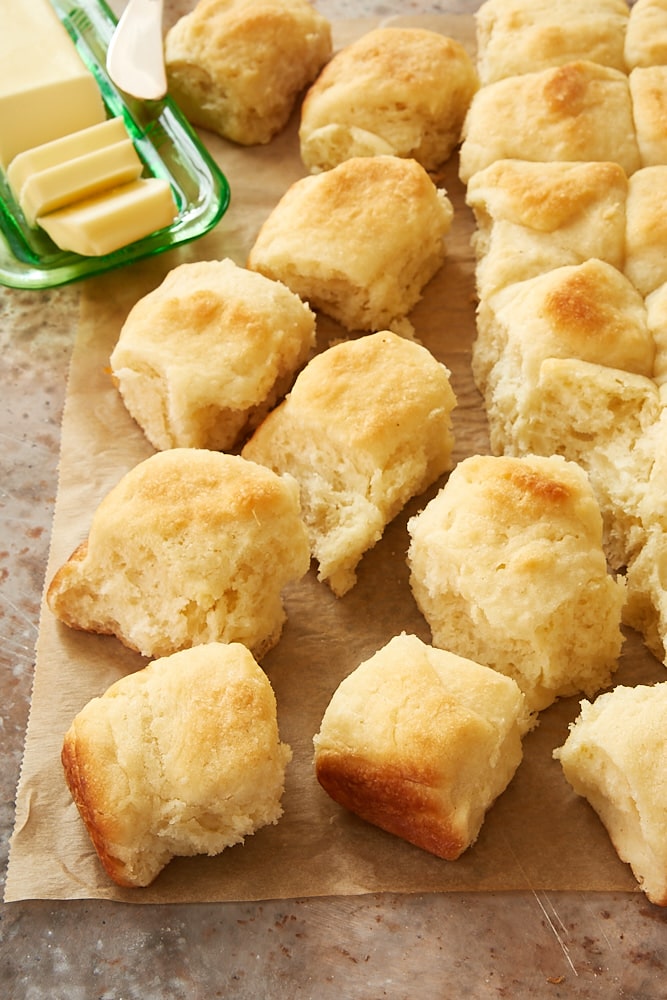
135 57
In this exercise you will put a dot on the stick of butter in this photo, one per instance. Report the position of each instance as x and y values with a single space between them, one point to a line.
80 178
99 225
46 90
67 147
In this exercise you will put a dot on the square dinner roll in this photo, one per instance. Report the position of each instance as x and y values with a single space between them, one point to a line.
615 756
400 91
358 242
656 317
604 419
180 758
203 357
506 565
421 742
646 608
237 67
648 92
646 34
535 217
366 427
646 233
578 111
522 36
191 546
589 311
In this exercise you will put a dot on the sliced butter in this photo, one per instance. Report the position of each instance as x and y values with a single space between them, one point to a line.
67 147
114 219
80 178
46 90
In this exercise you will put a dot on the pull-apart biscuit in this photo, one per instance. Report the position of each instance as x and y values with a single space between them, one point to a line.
579 111
358 242
202 358
366 427
648 92
180 758
421 742
534 217
237 67
191 546
523 36
646 34
507 567
615 757
396 91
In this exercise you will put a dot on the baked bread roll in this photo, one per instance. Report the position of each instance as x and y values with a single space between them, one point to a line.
646 608
646 233
615 756
180 758
191 546
648 92
656 317
358 242
534 217
506 565
523 36
237 67
588 311
202 358
646 34
421 742
580 111
603 419
366 427
400 91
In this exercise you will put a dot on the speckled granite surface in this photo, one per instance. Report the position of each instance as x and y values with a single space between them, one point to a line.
446 946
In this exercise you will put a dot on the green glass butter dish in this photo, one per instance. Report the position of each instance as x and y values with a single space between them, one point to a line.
167 146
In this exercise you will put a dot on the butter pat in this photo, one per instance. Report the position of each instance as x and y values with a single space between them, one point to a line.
97 226
61 150
77 179
46 90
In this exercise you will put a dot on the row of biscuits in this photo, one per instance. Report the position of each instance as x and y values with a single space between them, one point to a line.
193 541
564 160
571 292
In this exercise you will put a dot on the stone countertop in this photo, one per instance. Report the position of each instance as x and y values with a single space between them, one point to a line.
442 945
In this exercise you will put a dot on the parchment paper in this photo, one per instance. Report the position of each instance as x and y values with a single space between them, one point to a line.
537 836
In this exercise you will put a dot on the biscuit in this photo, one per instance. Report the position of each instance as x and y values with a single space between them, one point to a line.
615 757
191 546
420 742
202 358
358 242
648 93
524 36
656 318
646 608
588 311
180 758
396 91
366 427
579 111
646 34
603 419
237 67
534 217
507 567
646 232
